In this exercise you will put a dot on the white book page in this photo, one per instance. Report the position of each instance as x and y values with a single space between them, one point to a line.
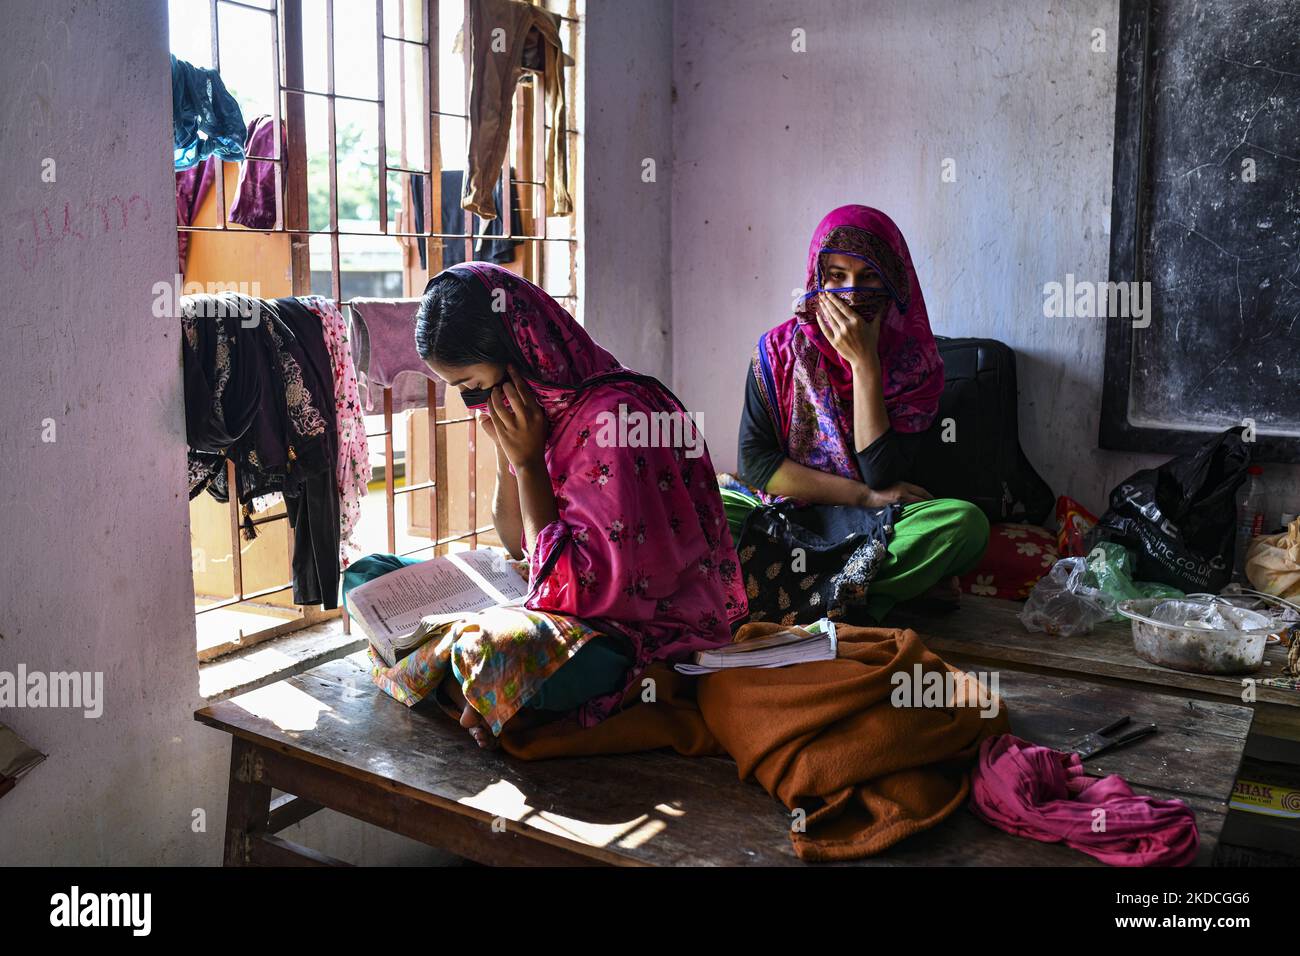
489 570
391 606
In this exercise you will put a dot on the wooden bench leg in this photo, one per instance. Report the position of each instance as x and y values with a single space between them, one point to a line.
248 803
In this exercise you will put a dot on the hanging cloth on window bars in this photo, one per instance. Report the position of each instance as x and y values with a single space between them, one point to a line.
383 332
489 244
256 200
532 37
259 390
202 104
353 467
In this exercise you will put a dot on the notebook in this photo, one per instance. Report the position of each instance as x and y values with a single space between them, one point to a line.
795 645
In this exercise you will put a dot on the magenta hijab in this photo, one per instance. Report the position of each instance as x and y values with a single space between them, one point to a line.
555 354
641 545
807 387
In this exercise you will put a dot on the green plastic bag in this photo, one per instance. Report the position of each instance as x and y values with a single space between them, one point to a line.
1110 570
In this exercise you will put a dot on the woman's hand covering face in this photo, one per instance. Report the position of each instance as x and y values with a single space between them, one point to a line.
853 336
519 429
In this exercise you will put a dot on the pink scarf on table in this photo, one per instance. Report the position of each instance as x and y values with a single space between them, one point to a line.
807 387
642 544
1043 794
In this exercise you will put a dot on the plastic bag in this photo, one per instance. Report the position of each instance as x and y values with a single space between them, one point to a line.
1064 602
1110 570
1273 563
1180 519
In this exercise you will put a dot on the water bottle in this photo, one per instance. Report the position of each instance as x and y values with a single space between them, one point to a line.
1250 517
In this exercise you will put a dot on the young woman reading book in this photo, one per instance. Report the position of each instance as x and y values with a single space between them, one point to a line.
630 557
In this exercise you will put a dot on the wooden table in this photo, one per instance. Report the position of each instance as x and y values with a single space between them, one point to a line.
988 632
331 738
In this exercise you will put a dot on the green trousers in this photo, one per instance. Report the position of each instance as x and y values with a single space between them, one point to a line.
932 541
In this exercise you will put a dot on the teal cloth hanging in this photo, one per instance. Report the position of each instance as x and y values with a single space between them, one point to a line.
206 120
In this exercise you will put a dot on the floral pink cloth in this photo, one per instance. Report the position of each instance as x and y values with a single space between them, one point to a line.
353 471
807 387
641 544
1043 794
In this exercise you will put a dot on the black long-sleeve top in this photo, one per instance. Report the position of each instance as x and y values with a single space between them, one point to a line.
885 462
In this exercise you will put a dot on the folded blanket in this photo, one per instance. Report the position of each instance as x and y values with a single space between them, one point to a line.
825 738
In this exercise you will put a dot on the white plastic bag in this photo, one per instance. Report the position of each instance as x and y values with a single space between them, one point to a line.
1062 603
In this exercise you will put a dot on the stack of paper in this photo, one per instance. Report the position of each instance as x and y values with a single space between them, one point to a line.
796 645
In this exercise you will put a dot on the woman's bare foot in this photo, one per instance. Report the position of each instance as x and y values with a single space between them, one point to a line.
942 598
470 718
949 590
478 728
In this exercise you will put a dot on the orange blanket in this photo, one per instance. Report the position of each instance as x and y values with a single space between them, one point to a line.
824 738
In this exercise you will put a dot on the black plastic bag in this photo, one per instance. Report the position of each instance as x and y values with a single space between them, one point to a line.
1180 519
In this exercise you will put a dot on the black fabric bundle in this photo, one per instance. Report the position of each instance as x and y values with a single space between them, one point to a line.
206 119
259 391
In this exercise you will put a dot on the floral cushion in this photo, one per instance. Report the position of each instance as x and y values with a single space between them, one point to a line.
1017 556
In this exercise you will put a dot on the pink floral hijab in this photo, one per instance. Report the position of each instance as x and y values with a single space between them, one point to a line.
641 545
806 385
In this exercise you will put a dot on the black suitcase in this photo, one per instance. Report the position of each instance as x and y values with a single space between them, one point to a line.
985 464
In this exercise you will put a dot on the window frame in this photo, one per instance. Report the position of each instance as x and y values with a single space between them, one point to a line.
527 157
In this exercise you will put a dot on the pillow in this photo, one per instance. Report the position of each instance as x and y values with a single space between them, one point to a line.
1017 556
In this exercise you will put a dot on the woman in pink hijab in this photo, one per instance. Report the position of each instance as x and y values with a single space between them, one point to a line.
840 395
606 486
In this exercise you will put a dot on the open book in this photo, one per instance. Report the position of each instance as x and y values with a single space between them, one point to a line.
401 610
794 645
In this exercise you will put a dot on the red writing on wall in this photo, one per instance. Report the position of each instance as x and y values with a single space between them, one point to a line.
40 230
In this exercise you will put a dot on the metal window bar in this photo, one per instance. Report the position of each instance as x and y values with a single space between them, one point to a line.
291 218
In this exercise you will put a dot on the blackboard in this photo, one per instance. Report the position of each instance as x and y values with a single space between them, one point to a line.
1206 208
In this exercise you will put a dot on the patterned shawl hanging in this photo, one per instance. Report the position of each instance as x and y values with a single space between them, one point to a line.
807 387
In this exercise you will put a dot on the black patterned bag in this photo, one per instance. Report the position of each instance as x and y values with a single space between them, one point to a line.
804 562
